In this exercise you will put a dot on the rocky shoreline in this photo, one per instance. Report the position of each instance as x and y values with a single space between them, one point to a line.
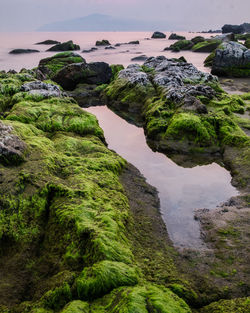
80 228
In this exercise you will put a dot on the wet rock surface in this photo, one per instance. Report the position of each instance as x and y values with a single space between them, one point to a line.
65 46
21 51
11 146
43 89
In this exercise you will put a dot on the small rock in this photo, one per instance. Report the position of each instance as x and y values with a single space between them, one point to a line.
21 51
48 42
158 35
65 46
103 42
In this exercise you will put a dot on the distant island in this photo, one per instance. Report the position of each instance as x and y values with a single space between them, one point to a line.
101 22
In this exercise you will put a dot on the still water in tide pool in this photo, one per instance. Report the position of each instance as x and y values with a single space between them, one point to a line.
181 190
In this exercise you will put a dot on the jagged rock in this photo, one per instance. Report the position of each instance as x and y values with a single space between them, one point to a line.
43 89
65 46
48 42
134 74
142 57
158 35
103 42
231 59
20 51
11 146
92 73
89 50
174 36
193 104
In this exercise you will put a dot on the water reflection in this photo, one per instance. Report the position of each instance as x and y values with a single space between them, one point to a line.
181 190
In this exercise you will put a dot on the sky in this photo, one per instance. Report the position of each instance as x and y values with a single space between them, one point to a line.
28 15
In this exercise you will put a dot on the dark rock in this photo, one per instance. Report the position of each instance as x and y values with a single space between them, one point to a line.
193 104
197 39
65 46
103 42
12 72
43 89
109 48
231 59
225 37
11 146
87 95
20 51
48 42
135 42
206 46
180 45
236 29
158 35
90 50
92 73
142 57
174 36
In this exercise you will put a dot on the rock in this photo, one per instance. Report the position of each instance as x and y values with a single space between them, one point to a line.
50 66
135 42
109 48
247 43
87 95
20 51
90 50
206 46
236 29
134 75
92 73
142 57
11 146
231 59
65 46
103 42
225 37
197 39
48 42
193 104
12 72
43 89
174 36
158 35
180 45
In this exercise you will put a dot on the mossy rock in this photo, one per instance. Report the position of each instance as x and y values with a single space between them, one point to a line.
206 46
240 305
103 42
181 45
247 43
197 39
65 46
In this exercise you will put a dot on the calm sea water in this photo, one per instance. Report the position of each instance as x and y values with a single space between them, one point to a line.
86 40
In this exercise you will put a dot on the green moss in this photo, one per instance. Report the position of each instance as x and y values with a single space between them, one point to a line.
116 68
104 277
233 103
247 43
209 59
240 305
206 46
181 45
76 306
57 298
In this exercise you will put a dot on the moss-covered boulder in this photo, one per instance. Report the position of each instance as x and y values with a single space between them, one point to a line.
51 65
240 305
65 46
103 42
247 43
231 59
206 46
197 39
174 36
180 45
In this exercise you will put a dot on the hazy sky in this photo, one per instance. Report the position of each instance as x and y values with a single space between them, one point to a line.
24 15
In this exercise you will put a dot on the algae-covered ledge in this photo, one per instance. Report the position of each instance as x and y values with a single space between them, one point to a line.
72 237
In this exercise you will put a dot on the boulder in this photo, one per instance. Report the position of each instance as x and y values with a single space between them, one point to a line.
134 42
158 35
180 45
109 48
50 66
89 50
236 29
197 39
206 46
65 46
247 43
174 36
92 73
103 42
42 89
48 42
11 146
225 37
21 51
231 59
142 57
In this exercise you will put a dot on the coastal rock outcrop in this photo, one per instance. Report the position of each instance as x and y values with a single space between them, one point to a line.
158 35
43 89
231 59
48 42
65 46
21 51
103 42
174 36
206 46
180 45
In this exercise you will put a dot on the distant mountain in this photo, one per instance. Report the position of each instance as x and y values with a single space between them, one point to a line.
100 22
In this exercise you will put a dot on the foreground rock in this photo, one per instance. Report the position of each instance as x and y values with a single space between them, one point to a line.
158 35
65 46
42 89
231 59
22 51
48 42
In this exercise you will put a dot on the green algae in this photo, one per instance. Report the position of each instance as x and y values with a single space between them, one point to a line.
181 45
239 305
206 46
